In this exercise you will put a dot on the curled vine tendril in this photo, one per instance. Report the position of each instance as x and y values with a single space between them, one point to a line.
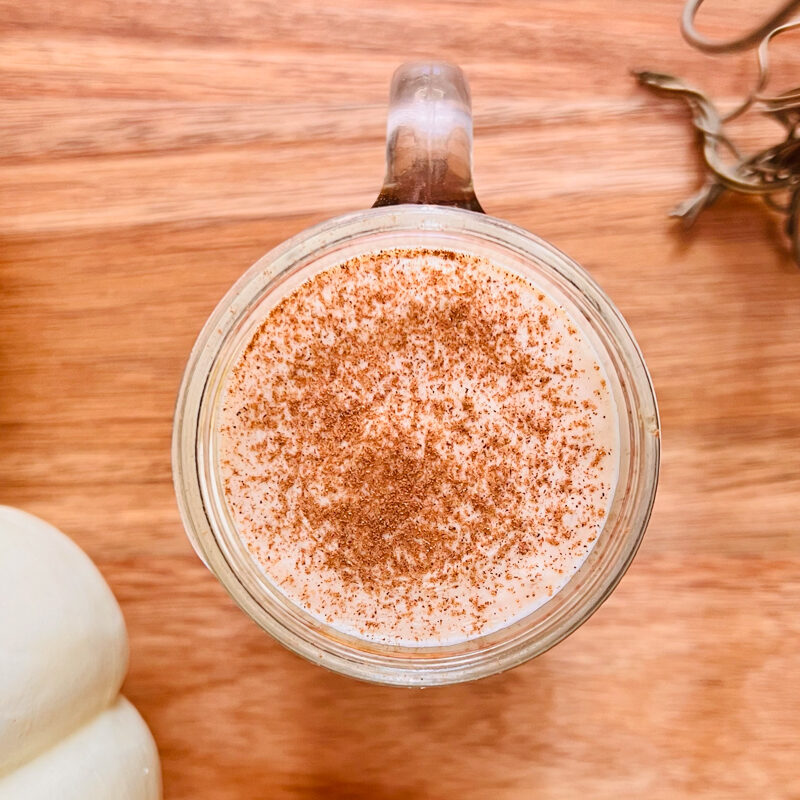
773 173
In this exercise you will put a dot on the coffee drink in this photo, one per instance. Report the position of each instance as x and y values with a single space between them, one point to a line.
418 447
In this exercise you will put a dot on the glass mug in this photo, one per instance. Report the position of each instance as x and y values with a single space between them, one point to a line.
427 201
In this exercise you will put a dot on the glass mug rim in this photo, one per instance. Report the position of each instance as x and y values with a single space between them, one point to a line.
210 529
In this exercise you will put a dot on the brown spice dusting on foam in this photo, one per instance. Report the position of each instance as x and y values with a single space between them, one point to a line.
407 450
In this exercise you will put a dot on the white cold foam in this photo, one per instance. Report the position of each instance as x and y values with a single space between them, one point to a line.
393 473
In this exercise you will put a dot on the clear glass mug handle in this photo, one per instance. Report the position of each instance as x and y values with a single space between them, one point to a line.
429 138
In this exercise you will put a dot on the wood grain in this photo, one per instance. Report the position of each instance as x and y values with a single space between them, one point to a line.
151 150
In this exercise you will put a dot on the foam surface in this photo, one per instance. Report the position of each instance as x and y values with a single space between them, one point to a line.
417 447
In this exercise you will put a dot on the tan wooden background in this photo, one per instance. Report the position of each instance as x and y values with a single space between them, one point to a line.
150 150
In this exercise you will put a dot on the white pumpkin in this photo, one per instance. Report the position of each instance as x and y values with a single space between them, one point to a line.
64 730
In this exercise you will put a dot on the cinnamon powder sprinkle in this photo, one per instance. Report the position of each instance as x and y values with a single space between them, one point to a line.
418 447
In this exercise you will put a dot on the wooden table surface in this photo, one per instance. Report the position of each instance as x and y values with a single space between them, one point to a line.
151 150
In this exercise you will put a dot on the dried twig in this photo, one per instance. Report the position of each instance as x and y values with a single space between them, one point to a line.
773 173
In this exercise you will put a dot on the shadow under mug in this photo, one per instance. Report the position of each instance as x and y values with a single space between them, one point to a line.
427 201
